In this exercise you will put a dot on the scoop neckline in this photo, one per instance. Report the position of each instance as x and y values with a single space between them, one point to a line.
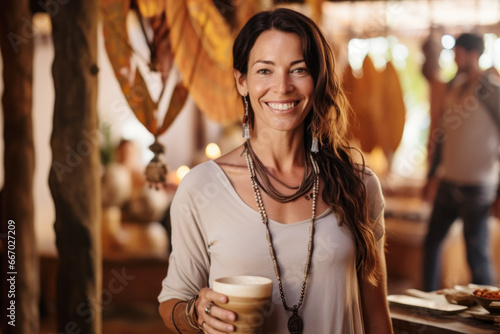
235 194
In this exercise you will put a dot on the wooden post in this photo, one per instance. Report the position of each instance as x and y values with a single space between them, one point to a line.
20 276
74 176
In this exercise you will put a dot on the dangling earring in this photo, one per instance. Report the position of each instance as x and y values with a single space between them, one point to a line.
314 145
246 126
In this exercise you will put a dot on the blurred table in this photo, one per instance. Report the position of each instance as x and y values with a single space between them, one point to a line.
407 320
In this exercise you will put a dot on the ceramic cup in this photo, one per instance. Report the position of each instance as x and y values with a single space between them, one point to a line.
249 297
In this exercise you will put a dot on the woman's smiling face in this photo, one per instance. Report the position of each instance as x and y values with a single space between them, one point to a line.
278 82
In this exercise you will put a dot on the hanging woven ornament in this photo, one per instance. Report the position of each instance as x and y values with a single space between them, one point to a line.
157 170
196 35
125 60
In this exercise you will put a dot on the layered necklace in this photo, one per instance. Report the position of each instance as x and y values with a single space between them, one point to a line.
295 324
265 184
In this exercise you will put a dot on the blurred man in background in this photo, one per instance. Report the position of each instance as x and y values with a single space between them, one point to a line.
466 161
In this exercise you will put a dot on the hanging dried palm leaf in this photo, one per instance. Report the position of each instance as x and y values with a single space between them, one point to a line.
201 41
378 107
316 9
151 8
364 103
244 11
120 55
393 111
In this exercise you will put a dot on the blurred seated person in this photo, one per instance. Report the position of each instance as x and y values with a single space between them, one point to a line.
145 204
131 209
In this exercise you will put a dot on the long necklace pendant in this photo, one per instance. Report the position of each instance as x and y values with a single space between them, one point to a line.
295 325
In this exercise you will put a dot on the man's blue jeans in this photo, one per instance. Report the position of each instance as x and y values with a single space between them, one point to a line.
472 204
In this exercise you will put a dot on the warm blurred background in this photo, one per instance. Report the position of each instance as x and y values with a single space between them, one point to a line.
161 74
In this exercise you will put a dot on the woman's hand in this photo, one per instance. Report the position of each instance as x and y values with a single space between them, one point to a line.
211 317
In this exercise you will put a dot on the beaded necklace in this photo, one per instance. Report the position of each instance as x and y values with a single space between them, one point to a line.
295 324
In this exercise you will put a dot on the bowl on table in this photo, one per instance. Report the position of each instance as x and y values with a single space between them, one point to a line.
488 299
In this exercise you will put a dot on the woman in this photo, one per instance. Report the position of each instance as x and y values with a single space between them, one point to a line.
295 170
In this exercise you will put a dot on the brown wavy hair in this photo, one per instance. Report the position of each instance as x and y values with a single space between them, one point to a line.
344 189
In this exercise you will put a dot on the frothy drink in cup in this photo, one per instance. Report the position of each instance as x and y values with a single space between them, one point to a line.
249 297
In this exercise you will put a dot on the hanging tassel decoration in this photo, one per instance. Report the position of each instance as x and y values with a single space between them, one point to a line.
156 170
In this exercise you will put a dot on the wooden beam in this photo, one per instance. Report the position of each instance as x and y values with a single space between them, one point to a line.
20 268
74 176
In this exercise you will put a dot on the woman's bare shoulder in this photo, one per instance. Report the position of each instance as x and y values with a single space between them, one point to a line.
233 162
